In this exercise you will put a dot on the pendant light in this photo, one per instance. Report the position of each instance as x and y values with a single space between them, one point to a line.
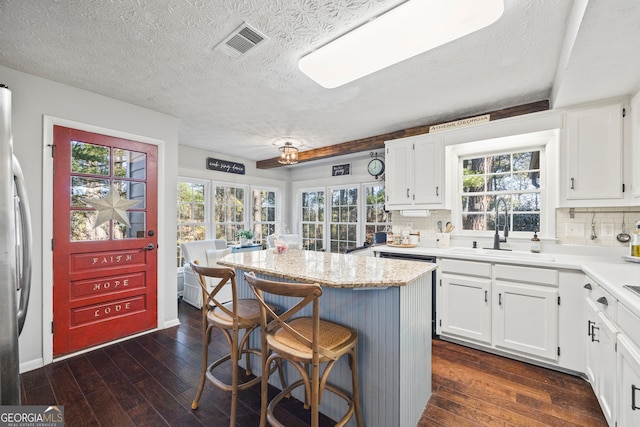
289 155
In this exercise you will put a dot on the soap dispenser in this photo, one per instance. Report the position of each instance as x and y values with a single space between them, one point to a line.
635 241
535 243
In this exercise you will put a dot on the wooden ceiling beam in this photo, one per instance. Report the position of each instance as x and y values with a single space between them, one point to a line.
377 142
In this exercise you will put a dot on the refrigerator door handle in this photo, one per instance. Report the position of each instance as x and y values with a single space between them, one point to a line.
25 222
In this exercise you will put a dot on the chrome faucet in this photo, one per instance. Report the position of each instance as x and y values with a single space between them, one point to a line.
496 238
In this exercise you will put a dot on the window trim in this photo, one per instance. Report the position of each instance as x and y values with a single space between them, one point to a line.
546 142
278 205
327 189
207 205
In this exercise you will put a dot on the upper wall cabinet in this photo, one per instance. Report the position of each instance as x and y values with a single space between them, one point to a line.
414 172
634 118
594 168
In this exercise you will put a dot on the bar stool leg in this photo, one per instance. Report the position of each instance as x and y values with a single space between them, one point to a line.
234 374
206 335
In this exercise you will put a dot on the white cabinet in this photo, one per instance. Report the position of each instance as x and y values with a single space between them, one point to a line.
508 308
414 174
593 158
466 307
600 351
525 319
628 377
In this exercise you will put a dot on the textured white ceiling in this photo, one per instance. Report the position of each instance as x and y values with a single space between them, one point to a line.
158 54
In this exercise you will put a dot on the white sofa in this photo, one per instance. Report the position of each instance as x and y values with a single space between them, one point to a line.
206 252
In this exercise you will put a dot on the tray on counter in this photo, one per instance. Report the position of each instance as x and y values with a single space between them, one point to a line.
408 245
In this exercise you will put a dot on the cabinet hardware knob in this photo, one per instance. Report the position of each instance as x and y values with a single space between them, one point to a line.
573 183
437 191
486 293
589 323
588 286
593 332
633 397
407 192
499 299
603 301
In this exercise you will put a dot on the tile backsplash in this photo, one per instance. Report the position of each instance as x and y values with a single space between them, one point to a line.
577 230
425 225
594 226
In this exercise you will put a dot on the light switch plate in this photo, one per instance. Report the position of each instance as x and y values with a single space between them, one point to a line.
575 229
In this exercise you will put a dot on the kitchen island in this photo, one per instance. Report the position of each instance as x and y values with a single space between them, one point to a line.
387 301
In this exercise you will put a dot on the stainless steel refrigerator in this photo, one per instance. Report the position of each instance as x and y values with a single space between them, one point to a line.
15 257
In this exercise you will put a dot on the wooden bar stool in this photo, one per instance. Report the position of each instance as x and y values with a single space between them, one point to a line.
231 318
305 342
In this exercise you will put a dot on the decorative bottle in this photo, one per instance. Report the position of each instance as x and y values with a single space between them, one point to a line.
635 241
535 243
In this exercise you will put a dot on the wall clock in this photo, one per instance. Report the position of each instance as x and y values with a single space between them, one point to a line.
375 167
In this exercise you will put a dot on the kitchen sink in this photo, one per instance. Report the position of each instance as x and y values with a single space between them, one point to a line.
492 253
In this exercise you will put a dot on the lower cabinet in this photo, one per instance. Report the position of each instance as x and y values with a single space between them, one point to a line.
601 361
628 376
466 307
509 308
525 319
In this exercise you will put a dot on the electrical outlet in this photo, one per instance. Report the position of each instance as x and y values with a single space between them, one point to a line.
575 230
606 230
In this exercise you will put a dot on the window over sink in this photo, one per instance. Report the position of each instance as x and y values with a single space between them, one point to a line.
517 169
513 176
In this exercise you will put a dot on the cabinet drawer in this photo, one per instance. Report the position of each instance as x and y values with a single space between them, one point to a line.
538 276
603 300
629 323
466 268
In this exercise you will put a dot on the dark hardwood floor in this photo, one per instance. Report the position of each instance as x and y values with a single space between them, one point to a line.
151 381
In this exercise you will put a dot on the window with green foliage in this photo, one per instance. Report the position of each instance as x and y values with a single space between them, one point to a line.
514 177
229 211
263 214
376 219
192 218
343 223
312 222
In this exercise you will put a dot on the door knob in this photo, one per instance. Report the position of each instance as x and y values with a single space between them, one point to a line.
149 247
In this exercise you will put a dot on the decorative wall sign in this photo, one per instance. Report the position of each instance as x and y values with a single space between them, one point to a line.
225 166
460 123
339 170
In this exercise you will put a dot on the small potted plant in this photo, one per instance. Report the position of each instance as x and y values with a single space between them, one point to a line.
244 236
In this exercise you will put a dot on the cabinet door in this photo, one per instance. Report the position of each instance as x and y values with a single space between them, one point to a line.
466 307
427 187
594 155
398 172
525 319
607 368
628 376
592 348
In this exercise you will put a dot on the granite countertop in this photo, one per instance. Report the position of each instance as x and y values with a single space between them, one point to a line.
330 269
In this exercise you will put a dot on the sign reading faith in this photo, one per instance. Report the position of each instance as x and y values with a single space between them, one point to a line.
224 166
339 170
460 123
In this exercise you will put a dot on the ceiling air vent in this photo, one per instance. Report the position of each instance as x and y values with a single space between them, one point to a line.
240 41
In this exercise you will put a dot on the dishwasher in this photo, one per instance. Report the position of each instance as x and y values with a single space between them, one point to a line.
419 258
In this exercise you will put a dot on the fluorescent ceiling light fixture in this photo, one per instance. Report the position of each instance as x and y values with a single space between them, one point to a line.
411 28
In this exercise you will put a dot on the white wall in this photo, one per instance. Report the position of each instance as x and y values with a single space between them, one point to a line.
33 99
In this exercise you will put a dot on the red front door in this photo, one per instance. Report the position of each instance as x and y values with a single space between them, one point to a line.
104 239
